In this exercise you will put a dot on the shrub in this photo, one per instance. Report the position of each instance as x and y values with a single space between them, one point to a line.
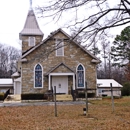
126 89
1 96
82 95
91 95
33 96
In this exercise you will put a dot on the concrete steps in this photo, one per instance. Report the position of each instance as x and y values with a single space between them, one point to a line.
17 98
64 97
12 98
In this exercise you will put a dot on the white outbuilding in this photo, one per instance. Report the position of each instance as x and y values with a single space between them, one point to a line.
103 87
5 84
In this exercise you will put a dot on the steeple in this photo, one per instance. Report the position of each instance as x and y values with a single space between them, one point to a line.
31 26
31 29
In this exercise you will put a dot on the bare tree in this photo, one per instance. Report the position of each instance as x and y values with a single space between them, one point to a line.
118 73
92 18
115 72
8 57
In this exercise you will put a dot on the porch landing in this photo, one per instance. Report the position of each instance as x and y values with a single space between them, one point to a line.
64 97
17 98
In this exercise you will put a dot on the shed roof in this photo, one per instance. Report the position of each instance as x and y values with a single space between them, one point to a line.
6 81
106 83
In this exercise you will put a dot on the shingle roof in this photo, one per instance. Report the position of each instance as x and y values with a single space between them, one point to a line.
31 26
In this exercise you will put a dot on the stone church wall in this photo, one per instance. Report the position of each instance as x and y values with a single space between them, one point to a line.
46 56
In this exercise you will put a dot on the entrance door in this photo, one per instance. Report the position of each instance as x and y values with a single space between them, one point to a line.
61 83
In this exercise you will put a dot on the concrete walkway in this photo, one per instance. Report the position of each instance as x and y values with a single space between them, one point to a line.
19 103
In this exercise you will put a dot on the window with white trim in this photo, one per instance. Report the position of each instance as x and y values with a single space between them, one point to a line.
80 77
59 47
38 76
31 41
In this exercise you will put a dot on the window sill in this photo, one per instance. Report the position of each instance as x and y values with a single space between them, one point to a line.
38 87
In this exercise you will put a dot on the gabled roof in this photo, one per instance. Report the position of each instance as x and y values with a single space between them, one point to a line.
52 34
57 67
31 26
106 83
16 74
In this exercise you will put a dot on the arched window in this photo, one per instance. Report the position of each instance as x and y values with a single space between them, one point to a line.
80 76
38 76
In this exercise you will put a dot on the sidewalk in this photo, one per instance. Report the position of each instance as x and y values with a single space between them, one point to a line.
19 103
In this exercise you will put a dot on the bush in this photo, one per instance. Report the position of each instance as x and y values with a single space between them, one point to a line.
32 96
91 95
126 89
1 96
82 95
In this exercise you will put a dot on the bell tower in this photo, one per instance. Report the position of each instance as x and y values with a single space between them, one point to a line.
31 34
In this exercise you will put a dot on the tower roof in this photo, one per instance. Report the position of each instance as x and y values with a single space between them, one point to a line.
31 26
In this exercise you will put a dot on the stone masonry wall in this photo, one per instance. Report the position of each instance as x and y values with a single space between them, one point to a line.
25 41
73 56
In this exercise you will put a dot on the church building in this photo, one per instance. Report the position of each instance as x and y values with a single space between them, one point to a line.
57 61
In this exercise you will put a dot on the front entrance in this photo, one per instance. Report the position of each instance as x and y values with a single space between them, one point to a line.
61 83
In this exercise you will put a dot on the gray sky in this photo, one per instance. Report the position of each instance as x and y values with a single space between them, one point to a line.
12 18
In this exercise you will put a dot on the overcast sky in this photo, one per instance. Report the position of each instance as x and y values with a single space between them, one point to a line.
12 18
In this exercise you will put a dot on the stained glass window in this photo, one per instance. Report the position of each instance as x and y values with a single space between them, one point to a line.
38 76
80 76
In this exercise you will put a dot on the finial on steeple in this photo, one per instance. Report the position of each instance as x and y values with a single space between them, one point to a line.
30 4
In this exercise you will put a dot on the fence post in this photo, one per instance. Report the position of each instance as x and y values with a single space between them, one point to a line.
112 99
86 96
55 101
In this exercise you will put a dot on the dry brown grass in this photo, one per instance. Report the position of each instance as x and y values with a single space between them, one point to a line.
70 117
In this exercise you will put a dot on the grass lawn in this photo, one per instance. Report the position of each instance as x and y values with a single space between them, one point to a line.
70 117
